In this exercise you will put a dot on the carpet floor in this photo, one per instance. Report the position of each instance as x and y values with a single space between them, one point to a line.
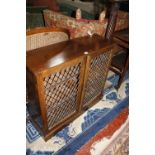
78 133
111 140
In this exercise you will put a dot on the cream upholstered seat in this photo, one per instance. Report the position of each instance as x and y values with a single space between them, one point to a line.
39 37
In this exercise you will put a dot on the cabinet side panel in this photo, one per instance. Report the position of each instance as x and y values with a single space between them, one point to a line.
33 99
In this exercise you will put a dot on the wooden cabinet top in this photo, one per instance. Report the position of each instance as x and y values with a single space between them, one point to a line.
50 56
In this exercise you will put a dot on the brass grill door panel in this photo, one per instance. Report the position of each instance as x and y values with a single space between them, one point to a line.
62 92
95 76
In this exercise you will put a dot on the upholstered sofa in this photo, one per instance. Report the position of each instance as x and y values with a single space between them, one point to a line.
51 4
34 11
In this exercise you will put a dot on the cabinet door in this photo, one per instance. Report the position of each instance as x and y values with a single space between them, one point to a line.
61 93
95 76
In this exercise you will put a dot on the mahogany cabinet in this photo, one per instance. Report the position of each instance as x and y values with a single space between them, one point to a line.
65 79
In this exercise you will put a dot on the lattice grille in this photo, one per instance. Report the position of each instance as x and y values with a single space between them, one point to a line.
61 90
96 77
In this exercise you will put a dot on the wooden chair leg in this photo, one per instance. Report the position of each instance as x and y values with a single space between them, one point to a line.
120 80
123 73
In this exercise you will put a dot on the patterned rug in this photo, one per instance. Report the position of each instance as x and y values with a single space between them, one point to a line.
80 131
111 140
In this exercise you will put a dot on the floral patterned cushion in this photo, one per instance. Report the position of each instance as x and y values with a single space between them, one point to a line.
81 27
